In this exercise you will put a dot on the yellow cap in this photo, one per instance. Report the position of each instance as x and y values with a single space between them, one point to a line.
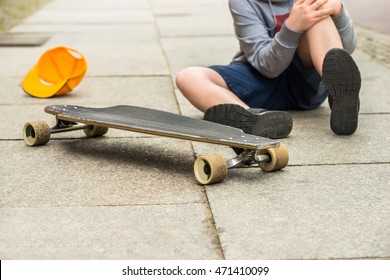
57 72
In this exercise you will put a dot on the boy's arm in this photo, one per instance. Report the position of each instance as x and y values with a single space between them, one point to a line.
270 56
346 30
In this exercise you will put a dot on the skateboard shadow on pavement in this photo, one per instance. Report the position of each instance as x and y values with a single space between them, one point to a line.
149 152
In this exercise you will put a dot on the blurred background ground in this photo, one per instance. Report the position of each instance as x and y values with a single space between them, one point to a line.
12 11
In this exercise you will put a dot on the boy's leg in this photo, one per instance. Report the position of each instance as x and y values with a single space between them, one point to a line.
205 88
316 42
321 48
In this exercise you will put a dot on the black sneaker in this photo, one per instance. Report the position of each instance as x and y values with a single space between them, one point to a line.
269 124
341 78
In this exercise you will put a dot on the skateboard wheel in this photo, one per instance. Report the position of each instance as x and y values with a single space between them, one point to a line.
278 158
210 169
36 133
95 131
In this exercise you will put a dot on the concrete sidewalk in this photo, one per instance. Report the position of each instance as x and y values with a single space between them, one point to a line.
132 196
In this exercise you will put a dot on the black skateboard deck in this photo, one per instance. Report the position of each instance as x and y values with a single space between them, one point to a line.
160 123
96 121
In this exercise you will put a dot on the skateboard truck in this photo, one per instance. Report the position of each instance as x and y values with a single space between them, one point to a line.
64 126
246 158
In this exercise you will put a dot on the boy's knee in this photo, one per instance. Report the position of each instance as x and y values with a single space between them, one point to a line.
185 76
180 77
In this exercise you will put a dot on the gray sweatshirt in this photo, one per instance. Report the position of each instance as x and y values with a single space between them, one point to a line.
265 40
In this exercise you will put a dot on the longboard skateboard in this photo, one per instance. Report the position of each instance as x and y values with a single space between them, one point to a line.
269 154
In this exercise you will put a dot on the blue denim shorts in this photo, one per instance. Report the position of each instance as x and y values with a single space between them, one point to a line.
295 89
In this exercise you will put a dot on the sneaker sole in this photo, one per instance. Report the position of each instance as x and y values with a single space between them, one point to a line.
269 124
342 79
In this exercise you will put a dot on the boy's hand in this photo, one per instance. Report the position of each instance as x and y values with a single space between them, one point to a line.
335 5
305 13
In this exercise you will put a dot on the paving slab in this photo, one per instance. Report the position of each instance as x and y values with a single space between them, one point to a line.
139 59
311 212
11 90
374 97
88 16
87 29
149 91
206 51
97 5
312 141
93 11
203 22
107 35
188 4
17 61
113 233
137 50
125 60
101 171
197 19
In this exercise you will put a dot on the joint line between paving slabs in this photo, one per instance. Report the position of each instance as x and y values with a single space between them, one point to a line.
210 219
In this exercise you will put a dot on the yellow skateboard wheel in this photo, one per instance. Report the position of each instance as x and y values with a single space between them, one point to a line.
278 158
95 131
210 169
36 133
